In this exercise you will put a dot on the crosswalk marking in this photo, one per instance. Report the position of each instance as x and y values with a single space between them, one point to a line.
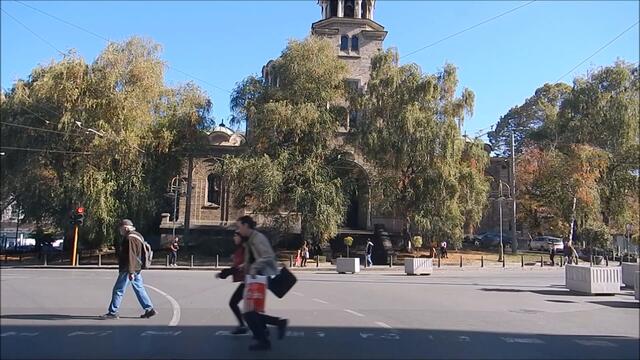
353 312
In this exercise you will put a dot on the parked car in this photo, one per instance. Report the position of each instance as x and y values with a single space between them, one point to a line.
492 240
544 243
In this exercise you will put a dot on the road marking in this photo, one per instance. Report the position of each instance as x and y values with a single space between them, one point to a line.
91 333
175 319
228 333
295 333
595 343
162 333
320 333
379 323
296 293
392 336
464 338
320 301
523 340
365 335
13 333
353 312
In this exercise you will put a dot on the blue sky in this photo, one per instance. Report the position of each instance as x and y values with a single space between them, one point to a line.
222 42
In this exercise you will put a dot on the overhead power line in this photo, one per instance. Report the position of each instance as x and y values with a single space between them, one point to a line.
597 51
33 32
32 128
467 29
107 40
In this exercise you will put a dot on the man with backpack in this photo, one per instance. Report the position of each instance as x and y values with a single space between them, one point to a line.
133 256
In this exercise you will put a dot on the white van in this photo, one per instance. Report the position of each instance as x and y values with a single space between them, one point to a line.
544 243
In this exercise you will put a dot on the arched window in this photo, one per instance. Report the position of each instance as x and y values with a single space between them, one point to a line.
355 44
333 8
349 8
344 43
364 9
213 190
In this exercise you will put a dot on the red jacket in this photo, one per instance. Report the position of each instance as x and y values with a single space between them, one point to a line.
236 270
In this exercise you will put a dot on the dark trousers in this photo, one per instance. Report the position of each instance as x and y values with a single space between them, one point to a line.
235 300
304 261
258 322
173 257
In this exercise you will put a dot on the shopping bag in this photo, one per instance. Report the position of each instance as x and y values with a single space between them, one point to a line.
255 293
298 260
282 283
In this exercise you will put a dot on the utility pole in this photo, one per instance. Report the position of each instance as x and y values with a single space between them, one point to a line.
187 207
514 233
501 255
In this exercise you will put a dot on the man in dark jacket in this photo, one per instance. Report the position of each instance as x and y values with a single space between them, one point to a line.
129 267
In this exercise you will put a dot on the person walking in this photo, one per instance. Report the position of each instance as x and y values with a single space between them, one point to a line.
173 259
369 252
552 254
237 272
443 249
259 259
129 268
304 251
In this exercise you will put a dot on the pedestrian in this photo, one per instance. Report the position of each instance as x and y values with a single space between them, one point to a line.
173 259
443 249
552 254
369 252
304 251
237 272
129 268
259 259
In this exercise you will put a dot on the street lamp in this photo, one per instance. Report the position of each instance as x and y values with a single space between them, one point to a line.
500 198
175 187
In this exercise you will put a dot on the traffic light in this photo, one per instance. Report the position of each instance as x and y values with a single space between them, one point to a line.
78 216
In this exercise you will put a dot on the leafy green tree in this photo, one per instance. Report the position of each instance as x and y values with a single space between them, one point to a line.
119 168
291 131
409 129
537 118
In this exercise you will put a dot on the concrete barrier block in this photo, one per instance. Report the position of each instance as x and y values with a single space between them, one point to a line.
628 273
348 265
418 266
593 279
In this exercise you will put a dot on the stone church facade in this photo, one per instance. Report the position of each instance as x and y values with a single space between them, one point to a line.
206 206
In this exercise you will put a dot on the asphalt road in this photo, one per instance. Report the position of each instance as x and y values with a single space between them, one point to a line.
485 313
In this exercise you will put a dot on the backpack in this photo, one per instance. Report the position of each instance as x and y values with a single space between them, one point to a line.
146 254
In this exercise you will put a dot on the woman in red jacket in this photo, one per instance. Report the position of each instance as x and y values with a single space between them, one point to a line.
237 271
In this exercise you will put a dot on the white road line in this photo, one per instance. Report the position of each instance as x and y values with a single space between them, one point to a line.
353 312
523 340
595 343
296 293
174 304
320 301
380 323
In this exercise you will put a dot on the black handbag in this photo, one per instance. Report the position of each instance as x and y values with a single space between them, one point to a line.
282 283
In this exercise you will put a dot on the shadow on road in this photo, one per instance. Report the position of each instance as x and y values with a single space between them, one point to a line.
216 342
618 304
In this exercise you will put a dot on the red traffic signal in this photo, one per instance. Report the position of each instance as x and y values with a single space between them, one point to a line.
80 210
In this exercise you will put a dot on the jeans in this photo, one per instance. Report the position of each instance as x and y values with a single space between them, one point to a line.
138 288
369 262
173 258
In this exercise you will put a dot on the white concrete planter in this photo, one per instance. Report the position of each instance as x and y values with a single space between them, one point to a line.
418 266
637 285
592 280
629 272
348 265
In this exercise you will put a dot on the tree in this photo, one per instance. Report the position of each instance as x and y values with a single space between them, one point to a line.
291 136
427 173
118 169
537 118
593 127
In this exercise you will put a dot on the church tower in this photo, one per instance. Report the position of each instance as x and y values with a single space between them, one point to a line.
357 37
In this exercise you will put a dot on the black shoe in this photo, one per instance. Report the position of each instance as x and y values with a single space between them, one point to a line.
240 330
148 313
260 346
282 328
109 316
